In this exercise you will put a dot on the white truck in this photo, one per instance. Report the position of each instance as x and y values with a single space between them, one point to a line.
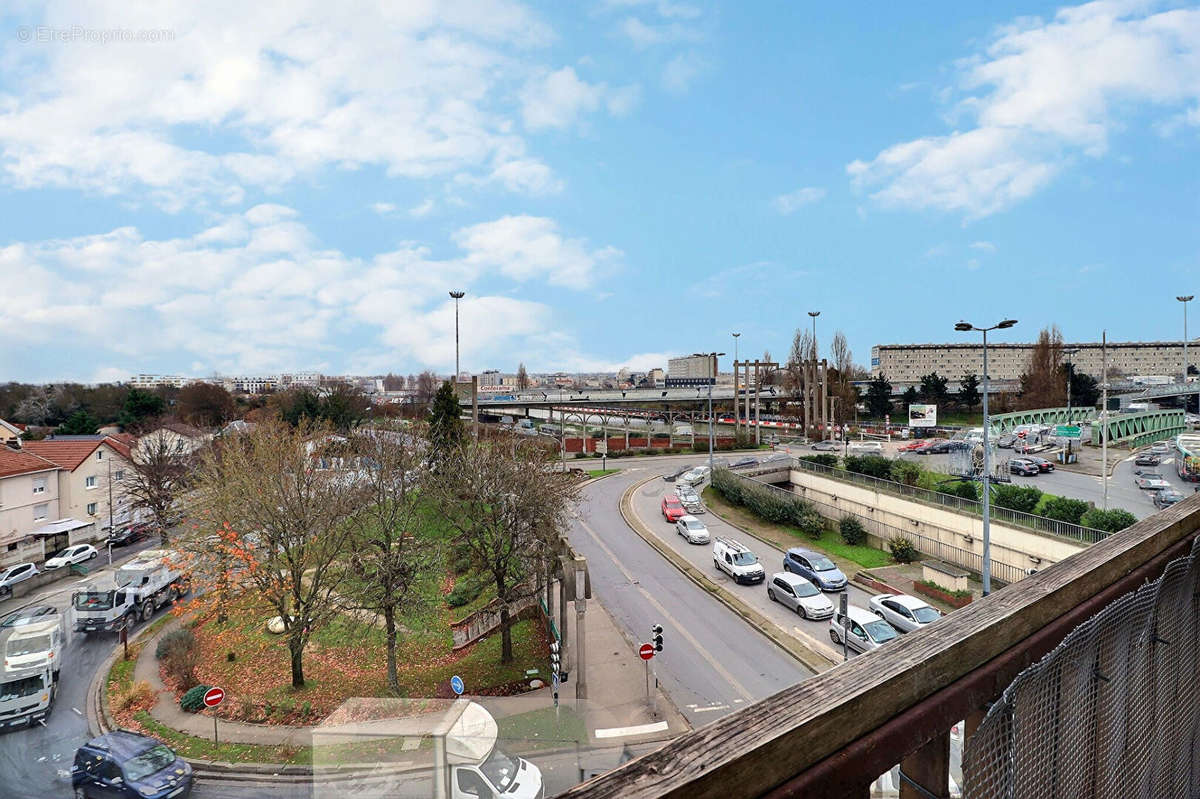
29 674
137 589
440 748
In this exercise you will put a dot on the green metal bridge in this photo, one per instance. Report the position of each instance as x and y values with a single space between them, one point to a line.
1006 422
1139 429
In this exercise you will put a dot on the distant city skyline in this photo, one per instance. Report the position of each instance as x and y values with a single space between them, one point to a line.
611 185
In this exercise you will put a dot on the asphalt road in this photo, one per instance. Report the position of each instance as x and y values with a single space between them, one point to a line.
712 661
647 502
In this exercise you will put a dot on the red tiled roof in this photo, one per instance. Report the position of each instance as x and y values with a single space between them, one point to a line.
69 454
120 443
20 462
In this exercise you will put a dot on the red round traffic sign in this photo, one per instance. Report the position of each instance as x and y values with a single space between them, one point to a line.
213 697
646 651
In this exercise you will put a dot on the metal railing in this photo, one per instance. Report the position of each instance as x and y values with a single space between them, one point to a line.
1029 521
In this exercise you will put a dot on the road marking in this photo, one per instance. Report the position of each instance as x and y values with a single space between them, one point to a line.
640 729
77 713
680 628
710 708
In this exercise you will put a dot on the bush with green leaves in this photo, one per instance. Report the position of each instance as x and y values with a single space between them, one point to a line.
181 638
871 465
966 489
905 472
852 530
1014 497
1113 520
813 526
822 459
466 590
193 699
903 550
1065 509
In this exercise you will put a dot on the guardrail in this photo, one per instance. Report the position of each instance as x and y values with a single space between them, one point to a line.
1029 521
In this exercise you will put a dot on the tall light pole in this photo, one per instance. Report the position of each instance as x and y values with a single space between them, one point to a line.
987 456
711 426
735 354
1185 301
1104 414
457 295
810 408
1069 353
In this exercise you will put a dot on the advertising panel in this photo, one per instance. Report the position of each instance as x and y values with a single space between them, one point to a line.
922 415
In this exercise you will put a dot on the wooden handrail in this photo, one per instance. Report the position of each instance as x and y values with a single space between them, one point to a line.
871 705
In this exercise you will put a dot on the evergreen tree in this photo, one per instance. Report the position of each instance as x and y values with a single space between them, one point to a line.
445 426
968 391
909 397
139 405
80 423
879 397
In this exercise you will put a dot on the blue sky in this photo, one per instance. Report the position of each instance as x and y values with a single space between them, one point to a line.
294 186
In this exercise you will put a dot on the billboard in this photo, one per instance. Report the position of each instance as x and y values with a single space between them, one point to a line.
922 415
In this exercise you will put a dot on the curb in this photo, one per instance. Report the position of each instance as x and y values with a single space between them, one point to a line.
811 658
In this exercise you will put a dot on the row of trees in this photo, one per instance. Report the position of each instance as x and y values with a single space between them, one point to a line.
313 542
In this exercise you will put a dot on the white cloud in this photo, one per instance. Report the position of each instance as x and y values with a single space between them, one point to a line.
384 209
413 89
680 71
793 201
557 99
983 246
646 35
261 294
1039 95
423 209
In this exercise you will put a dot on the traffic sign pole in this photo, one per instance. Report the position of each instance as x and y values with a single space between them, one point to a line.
213 697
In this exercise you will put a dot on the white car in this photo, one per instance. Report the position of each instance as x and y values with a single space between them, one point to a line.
905 613
14 574
692 529
70 556
693 476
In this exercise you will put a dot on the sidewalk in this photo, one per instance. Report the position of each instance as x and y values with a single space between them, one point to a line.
616 706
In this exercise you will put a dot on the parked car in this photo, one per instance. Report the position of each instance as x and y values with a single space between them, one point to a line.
693 476
958 445
939 448
680 472
124 536
793 591
927 445
905 613
77 553
1146 471
828 445
672 508
1042 464
128 765
815 567
689 499
1006 441
735 559
1161 447
778 457
750 460
692 529
1022 466
1151 483
1147 459
861 630
1166 497
910 446
14 574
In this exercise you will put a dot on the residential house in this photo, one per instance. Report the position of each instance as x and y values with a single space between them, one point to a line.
9 432
28 500
176 436
91 471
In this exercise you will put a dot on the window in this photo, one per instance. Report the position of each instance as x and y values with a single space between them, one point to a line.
99 454
39 485
90 481
119 474
40 512
91 509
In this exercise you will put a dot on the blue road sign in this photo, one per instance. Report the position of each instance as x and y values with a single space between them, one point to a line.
456 684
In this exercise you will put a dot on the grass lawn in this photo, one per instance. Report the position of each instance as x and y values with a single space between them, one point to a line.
847 557
190 746
543 727
601 472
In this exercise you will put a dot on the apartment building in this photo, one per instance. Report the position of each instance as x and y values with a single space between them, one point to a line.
28 500
150 382
691 370
90 472
906 363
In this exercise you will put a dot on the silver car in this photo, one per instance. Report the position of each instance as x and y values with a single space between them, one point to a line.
905 613
862 631
692 529
793 591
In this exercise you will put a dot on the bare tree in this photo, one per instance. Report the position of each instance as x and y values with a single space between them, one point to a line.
160 465
204 404
843 360
522 378
287 519
1044 383
427 386
392 382
505 500
386 560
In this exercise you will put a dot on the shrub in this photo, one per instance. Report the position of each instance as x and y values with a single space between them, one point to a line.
461 560
905 472
1013 497
182 638
768 503
1065 509
193 699
466 590
1113 520
966 490
871 465
822 459
812 526
852 530
902 549
140 693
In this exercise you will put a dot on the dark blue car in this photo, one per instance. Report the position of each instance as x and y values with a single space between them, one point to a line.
816 568
126 765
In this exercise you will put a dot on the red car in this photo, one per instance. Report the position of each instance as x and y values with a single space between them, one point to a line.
924 446
911 446
672 508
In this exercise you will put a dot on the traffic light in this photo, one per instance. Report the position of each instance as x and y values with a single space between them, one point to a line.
656 637
555 659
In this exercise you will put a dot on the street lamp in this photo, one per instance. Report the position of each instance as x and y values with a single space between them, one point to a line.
711 426
1185 301
1070 374
811 391
987 457
457 295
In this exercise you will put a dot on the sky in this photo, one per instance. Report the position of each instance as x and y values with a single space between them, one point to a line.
252 188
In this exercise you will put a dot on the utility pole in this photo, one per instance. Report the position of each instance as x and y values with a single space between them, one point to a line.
1104 414
1185 301
457 295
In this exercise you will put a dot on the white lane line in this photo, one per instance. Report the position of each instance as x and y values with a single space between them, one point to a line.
679 628
710 708
77 713
640 729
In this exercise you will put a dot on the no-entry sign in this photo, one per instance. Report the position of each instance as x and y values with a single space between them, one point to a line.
213 697
646 651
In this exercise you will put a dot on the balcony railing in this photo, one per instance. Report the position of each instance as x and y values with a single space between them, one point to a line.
831 735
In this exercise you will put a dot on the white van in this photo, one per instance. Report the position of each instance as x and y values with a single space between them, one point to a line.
865 448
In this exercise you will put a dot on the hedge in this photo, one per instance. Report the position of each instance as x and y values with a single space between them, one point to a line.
1065 509
1114 520
1014 497
767 503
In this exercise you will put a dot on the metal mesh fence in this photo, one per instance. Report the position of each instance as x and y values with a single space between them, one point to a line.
1111 712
